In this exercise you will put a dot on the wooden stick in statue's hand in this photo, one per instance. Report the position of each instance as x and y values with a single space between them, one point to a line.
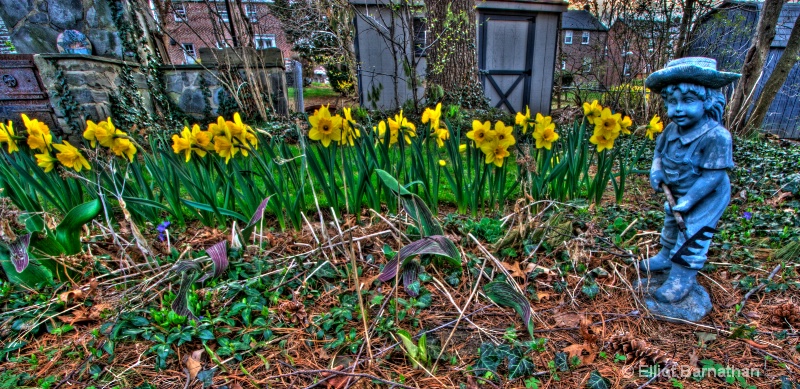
676 214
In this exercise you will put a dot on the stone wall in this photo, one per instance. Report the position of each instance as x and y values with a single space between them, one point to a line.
91 82
34 25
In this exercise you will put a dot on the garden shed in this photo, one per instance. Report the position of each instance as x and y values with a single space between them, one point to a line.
516 47
737 22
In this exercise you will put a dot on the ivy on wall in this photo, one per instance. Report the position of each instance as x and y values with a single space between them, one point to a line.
73 112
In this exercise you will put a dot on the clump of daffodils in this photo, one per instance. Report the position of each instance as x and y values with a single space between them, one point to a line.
607 125
224 137
110 137
40 138
493 142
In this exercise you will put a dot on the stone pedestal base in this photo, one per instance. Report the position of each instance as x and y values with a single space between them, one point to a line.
693 307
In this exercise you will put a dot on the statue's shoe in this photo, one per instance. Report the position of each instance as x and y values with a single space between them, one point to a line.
680 282
656 263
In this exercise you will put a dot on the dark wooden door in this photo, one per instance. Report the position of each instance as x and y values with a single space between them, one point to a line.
505 59
21 91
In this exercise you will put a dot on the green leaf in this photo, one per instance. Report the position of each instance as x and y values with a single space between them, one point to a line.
68 232
413 205
32 277
519 364
561 361
597 381
435 245
505 295
221 211
392 183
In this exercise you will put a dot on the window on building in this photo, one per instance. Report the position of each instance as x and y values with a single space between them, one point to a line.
180 12
563 65
189 55
252 13
585 38
264 41
222 11
568 37
222 44
420 37
587 64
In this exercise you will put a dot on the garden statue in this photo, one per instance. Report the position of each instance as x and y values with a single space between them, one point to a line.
690 165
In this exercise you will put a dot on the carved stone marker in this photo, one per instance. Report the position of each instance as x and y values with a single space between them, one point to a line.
74 42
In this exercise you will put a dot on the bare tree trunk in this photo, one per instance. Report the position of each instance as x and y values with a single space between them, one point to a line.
753 64
686 23
452 56
776 80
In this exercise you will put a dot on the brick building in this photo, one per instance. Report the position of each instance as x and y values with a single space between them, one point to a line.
582 41
191 25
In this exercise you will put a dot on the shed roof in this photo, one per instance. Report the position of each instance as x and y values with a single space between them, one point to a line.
581 20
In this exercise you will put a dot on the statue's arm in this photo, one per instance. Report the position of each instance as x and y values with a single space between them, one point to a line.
709 180
656 170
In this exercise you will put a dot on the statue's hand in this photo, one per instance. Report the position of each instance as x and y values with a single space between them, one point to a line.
656 178
684 204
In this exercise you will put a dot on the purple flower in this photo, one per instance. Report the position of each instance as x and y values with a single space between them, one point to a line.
161 228
747 215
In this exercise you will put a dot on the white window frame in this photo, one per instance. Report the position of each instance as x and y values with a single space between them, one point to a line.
585 38
179 12
222 11
264 38
252 13
567 37
189 53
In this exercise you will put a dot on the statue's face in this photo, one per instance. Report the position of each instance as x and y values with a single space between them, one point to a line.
685 110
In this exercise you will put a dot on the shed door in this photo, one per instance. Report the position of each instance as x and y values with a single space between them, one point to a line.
506 59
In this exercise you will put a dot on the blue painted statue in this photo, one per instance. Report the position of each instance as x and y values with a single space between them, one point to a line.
691 159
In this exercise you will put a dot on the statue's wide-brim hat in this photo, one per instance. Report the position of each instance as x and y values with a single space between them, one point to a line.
694 70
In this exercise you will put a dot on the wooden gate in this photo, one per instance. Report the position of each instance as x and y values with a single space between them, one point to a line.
21 91
505 59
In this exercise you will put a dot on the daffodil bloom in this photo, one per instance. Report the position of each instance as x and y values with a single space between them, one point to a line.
401 125
349 131
71 157
224 147
441 135
324 127
202 139
239 129
655 126
7 136
462 148
442 163
603 140
123 147
46 161
481 132
592 111
524 120
545 136
102 132
39 136
433 116
495 152
543 123
607 122
625 124
381 130
183 143
503 135
219 127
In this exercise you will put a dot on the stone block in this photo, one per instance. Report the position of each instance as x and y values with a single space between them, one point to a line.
39 18
105 43
12 11
192 101
66 14
38 39
92 21
76 78
82 95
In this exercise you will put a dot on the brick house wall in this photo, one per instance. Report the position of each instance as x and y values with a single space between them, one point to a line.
582 42
636 49
191 25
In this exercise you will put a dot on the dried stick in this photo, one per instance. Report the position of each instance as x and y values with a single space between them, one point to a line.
759 287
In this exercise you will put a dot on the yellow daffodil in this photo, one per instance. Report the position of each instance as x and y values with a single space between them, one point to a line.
349 131
495 152
203 140
503 135
123 147
481 132
39 136
592 111
183 143
441 135
401 125
324 127
603 140
462 148
46 161
524 120
545 136
625 124
7 136
224 146
432 116
102 132
442 163
219 127
607 122
381 130
655 126
71 157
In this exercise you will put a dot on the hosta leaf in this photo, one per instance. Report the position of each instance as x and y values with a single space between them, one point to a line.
419 211
188 271
436 245
411 271
33 275
392 183
597 381
68 232
219 255
389 271
505 295
257 215
19 252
